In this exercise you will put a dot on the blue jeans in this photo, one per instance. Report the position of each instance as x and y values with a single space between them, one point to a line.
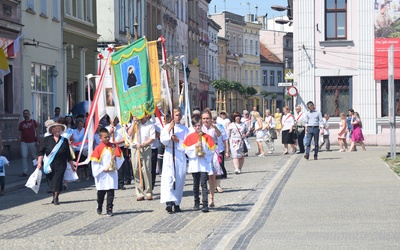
28 149
312 132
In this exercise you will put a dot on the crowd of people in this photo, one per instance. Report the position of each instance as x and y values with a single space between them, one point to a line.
151 146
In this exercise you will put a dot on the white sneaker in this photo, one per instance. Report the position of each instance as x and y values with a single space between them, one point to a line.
270 152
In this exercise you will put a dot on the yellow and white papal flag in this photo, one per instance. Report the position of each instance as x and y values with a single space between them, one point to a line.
4 69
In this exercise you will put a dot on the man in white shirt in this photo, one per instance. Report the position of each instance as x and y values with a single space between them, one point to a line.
144 134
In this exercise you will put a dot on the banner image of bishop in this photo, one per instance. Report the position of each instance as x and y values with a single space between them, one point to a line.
132 98
130 71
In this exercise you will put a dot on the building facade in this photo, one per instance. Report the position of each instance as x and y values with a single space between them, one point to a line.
11 84
80 36
334 63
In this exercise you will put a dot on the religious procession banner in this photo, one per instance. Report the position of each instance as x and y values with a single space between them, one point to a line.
132 81
154 71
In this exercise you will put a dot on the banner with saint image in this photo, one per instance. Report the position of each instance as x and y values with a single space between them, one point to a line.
132 81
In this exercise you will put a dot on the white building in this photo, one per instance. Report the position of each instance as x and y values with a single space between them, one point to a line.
43 60
334 63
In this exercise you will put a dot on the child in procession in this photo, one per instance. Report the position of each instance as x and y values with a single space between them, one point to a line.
106 159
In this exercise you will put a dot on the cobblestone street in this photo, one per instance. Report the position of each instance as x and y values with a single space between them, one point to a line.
278 202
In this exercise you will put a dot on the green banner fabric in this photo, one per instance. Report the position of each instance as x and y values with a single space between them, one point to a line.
132 81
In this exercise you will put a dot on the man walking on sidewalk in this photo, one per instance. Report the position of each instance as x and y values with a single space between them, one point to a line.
29 139
313 120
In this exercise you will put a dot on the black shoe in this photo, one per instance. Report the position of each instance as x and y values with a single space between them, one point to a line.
306 156
177 209
205 209
121 188
169 208
65 187
109 213
23 175
56 202
127 182
196 207
99 210
315 157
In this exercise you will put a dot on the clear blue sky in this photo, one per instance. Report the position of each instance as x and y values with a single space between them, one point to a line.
242 8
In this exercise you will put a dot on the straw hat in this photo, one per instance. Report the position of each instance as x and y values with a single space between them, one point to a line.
50 127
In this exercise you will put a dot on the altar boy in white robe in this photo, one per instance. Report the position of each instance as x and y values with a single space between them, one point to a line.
174 168
200 149
106 159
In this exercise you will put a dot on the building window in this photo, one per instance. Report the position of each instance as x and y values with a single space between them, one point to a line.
335 19
89 11
251 78
240 46
7 10
42 93
256 73
265 77
251 47
79 9
288 43
246 47
335 95
279 75
234 44
246 77
385 99
43 7
272 78
55 10
228 73
30 5
122 16
68 7
257 48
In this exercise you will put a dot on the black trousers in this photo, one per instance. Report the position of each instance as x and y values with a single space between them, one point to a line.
200 178
161 150
110 198
300 141
2 182
124 172
154 153
222 164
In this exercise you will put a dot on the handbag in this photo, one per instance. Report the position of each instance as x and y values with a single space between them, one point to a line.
245 148
274 135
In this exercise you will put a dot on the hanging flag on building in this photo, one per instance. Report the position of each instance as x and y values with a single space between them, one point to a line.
132 81
4 69
13 48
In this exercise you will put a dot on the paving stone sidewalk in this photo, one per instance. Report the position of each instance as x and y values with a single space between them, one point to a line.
343 200
27 218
